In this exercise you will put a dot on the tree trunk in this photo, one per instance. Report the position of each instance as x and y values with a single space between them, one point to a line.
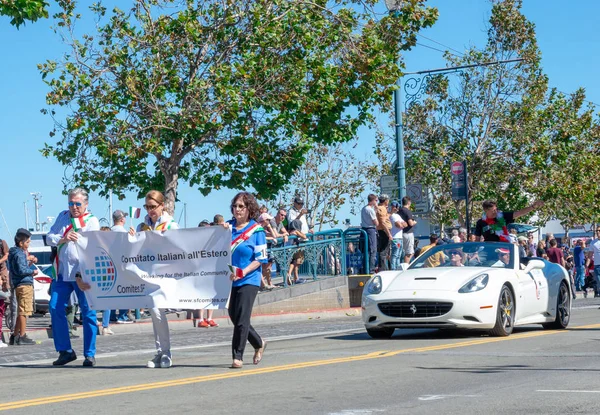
171 173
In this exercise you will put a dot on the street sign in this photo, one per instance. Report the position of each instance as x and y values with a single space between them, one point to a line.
389 186
459 180
420 197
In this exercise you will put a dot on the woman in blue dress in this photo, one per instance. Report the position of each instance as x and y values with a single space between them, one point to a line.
248 253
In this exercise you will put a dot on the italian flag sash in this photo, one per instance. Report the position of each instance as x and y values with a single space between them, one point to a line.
498 226
163 226
77 224
245 236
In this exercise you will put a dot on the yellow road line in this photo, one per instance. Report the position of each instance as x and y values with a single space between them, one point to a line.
257 371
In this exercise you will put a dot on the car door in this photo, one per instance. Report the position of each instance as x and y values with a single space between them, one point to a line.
533 292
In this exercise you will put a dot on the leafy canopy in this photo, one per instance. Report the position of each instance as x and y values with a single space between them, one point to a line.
219 93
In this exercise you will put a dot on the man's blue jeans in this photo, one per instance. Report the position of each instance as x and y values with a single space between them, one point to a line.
597 275
579 278
396 253
61 291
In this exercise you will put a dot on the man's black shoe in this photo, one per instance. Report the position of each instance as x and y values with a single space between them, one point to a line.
11 340
64 358
89 361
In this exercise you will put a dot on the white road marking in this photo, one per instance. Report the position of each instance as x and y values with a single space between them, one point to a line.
566 391
437 397
198 346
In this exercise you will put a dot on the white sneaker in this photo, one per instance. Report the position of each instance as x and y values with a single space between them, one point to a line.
2 344
155 362
106 331
165 361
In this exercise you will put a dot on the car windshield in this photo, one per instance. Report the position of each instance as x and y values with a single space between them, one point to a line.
469 254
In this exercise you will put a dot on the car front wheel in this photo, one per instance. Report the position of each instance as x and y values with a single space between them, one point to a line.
505 317
384 333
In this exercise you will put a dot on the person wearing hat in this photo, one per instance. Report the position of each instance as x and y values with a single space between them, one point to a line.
298 212
522 242
503 258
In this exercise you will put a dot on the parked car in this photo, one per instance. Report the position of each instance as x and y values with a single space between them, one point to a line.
41 290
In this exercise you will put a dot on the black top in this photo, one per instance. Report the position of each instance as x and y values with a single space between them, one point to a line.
406 214
488 227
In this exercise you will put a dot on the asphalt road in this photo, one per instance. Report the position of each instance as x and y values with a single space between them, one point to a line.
320 367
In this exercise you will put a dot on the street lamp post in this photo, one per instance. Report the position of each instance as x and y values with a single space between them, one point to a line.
394 7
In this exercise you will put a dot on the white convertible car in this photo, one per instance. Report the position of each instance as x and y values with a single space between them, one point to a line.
473 285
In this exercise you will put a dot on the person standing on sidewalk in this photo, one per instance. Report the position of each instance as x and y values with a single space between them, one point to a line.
397 225
579 263
67 278
158 220
595 245
4 285
384 231
368 223
21 278
248 253
408 236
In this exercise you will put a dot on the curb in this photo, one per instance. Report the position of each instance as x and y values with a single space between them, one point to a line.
177 324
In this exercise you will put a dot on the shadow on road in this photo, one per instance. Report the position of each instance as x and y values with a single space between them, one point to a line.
505 368
430 334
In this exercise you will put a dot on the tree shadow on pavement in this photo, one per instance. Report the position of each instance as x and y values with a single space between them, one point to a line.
505 368
429 334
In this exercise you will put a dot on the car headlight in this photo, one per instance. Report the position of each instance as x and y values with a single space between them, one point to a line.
375 285
476 284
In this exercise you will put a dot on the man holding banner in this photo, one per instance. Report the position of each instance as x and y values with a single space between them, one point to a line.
67 278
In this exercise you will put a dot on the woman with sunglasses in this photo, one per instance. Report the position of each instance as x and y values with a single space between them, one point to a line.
248 253
456 258
158 220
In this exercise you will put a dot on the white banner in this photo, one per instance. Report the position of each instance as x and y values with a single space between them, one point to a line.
182 268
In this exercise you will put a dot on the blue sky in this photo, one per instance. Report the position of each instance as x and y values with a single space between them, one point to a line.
566 36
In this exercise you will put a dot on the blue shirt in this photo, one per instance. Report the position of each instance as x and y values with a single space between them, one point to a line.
20 272
578 257
254 249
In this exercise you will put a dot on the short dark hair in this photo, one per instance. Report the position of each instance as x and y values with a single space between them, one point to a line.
250 202
553 242
21 236
433 238
488 204
371 197
406 201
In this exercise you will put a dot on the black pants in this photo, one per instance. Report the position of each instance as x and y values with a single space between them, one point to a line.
383 247
240 309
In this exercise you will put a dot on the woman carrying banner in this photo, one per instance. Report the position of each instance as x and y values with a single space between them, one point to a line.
158 220
248 253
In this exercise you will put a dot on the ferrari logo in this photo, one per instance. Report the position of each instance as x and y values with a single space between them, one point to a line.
413 309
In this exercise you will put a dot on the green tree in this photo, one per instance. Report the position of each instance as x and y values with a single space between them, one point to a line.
20 11
219 93
331 177
515 135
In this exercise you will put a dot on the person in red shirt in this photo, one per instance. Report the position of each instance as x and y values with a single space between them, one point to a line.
555 254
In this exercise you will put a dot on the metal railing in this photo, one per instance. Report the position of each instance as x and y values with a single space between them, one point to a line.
328 253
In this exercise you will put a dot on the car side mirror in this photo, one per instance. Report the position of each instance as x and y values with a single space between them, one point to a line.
534 264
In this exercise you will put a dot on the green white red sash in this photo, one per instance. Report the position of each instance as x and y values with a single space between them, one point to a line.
77 224
245 236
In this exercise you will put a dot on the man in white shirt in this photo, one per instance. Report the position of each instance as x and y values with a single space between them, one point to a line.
63 235
397 225
595 245
368 222
299 212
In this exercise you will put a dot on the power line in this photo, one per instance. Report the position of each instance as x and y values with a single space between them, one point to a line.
436 49
441 44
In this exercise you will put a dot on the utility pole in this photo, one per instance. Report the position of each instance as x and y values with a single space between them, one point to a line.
36 197
185 215
110 205
26 215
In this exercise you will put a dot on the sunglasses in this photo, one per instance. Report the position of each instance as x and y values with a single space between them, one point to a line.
455 253
77 204
150 207
239 206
